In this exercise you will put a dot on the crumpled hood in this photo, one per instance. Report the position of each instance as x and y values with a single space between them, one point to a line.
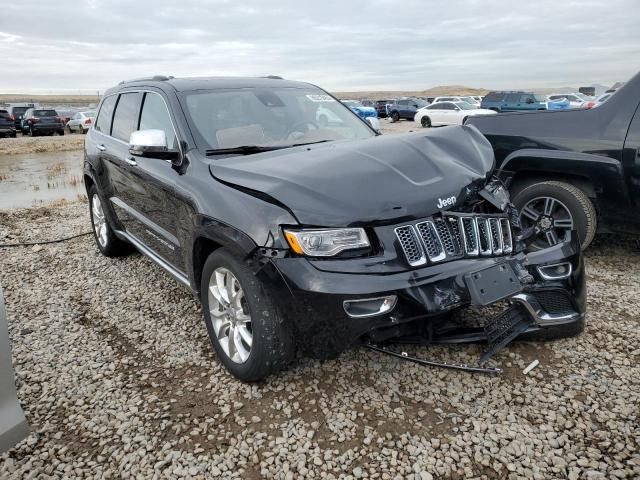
360 182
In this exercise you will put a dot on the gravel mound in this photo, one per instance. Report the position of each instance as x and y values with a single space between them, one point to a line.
118 380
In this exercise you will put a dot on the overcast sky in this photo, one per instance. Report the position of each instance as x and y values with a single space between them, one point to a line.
88 45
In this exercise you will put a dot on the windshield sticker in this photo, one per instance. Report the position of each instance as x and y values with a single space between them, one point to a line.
320 98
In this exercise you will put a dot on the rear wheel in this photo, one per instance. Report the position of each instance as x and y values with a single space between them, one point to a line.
556 208
250 336
425 122
108 244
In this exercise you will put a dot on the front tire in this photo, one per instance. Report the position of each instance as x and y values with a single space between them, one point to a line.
395 116
251 337
557 208
106 240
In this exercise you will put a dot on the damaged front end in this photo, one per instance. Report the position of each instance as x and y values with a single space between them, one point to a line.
455 276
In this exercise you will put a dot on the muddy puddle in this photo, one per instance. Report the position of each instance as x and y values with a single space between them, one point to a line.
39 178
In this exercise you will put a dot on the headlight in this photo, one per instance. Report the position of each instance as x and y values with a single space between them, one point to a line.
326 243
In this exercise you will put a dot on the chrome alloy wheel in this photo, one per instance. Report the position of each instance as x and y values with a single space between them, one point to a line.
229 315
99 221
551 216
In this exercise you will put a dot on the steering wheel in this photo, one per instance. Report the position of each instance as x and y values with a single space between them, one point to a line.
301 127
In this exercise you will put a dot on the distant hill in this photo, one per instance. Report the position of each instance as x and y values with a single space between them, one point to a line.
49 99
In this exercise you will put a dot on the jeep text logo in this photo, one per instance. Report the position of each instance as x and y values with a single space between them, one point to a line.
447 202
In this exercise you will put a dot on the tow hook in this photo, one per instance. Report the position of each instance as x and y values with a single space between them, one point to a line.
432 363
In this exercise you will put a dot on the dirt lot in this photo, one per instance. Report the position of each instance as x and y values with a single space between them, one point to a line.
118 380
14 146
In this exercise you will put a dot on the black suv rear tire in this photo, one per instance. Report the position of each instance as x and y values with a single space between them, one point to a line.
272 345
109 245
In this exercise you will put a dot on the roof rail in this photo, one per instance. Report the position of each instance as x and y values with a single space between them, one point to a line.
273 77
155 78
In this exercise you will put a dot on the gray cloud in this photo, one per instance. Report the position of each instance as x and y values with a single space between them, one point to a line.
340 45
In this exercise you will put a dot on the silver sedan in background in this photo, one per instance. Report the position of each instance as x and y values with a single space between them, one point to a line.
81 121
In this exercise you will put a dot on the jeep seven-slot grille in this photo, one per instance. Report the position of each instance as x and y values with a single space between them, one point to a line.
448 237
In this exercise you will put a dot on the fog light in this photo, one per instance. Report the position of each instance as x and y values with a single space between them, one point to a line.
557 271
369 307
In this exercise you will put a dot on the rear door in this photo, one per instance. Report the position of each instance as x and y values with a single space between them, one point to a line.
115 153
511 102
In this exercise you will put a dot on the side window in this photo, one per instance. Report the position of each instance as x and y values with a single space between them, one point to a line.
527 99
103 122
512 98
156 116
403 103
125 119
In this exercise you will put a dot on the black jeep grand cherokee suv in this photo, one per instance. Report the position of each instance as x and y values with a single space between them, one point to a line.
297 236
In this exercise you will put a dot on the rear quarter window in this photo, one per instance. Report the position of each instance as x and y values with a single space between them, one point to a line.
44 113
103 123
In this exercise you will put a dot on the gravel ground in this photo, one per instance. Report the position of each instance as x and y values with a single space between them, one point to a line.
20 144
118 380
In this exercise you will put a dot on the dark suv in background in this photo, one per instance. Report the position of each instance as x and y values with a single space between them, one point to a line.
7 126
513 101
299 236
42 121
405 108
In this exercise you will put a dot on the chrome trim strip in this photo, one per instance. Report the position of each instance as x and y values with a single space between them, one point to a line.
130 210
384 307
496 249
539 315
554 277
176 274
485 222
423 258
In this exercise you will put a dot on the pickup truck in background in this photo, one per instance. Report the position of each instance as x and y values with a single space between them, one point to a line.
573 168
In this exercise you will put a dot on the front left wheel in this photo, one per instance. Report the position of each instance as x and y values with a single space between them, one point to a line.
251 337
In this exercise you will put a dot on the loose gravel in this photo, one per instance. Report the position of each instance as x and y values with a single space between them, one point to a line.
118 380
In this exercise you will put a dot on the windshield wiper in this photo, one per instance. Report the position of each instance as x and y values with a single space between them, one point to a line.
245 149
249 149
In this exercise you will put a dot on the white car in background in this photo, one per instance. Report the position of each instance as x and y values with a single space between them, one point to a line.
575 100
448 113
472 101
448 99
81 121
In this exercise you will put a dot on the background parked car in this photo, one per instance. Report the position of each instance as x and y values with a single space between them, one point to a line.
575 101
560 104
17 110
448 113
381 107
472 100
599 101
514 101
359 109
42 121
7 126
406 108
81 121
448 99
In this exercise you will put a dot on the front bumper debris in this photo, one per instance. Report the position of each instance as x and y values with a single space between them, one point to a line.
431 303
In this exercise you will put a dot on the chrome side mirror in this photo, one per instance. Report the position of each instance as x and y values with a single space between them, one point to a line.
149 143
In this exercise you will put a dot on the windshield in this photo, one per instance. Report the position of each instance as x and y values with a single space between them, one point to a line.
269 117
44 113
465 106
